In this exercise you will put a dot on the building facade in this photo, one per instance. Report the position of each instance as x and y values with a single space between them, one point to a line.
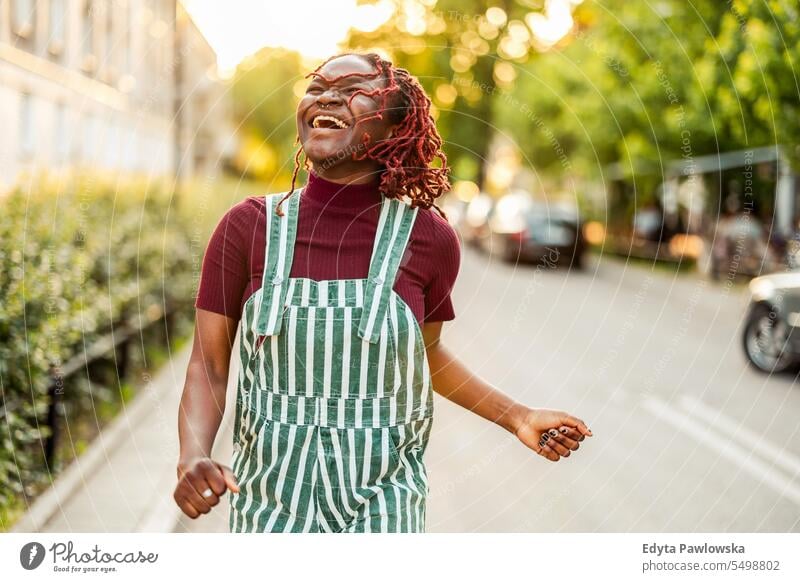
94 84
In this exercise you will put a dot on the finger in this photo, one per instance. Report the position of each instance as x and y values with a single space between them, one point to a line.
229 478
567 442
549 453
185 506
558 447
192 491
575 422
572 433
215 479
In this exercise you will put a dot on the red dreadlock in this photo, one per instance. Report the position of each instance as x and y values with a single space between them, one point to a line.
414 145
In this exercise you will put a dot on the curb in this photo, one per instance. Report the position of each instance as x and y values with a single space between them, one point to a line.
49 503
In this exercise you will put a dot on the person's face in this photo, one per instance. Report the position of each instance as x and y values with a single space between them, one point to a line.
331 125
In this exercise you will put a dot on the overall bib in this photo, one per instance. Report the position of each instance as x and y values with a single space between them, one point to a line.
334 403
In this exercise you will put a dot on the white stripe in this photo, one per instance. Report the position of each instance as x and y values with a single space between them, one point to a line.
362 380
312 507
339 461
282 478
299 482
289 292
261 474
744 459
352 458
323 294
381 491
359 293
304 293
411 369
376 296
268 209
382 339
322 462
275 305
276 365
310 325
385 207
347 340
284 408
398 488
366 468
747 438
398 359
292 341
328 353
342 297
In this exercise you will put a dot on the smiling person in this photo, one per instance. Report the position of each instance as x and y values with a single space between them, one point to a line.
341 289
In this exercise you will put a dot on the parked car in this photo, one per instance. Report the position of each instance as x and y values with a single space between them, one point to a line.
475 224
770 340
741 248
524 230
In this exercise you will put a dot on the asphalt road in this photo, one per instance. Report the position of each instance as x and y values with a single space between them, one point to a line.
687 437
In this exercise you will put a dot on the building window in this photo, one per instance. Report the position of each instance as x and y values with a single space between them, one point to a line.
110 64
58 27
23 19
62 134
89 59
27 128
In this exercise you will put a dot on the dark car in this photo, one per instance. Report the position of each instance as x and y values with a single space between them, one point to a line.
528 231
771 341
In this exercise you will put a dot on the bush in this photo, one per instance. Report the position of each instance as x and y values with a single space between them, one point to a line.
76 260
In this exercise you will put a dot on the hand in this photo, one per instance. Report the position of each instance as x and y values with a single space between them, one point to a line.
201 482
551 433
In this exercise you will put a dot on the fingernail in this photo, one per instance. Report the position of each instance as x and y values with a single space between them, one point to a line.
545 437
564 430
553 432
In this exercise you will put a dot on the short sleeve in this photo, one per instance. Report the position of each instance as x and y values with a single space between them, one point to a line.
446 261
225 271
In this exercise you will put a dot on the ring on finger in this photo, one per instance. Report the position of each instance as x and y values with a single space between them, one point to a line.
208 493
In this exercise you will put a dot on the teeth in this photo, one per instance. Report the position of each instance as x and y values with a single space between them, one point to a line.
338 122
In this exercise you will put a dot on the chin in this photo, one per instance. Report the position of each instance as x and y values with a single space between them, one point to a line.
326 156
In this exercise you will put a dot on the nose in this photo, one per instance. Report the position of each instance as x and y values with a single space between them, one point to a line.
329 96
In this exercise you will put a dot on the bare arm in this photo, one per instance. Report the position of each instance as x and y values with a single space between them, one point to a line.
200 414
453 380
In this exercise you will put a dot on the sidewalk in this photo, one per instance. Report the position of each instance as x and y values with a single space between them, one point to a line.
125 480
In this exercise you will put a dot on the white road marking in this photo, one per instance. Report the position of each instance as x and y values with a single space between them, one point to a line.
702 433
747 437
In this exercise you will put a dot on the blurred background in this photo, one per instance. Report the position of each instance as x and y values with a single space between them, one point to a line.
625 187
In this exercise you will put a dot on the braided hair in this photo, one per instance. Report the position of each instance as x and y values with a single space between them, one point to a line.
406 155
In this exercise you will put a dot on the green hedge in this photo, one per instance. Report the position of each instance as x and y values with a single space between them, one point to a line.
75 260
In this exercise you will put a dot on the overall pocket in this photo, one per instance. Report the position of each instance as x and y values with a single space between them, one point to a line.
319 352
407 445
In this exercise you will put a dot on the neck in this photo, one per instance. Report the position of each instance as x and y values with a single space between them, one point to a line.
349 195
341 174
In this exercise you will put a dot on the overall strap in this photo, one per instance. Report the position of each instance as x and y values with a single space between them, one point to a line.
281 231
394 230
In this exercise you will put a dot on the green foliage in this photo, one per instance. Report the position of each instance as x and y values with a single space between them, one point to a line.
642 84
75 260
264 99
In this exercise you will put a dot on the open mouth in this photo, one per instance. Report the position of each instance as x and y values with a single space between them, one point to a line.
328 122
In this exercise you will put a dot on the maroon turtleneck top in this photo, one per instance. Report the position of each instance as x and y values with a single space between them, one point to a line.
336 228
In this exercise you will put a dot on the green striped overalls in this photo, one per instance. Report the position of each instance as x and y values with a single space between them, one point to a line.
334 402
